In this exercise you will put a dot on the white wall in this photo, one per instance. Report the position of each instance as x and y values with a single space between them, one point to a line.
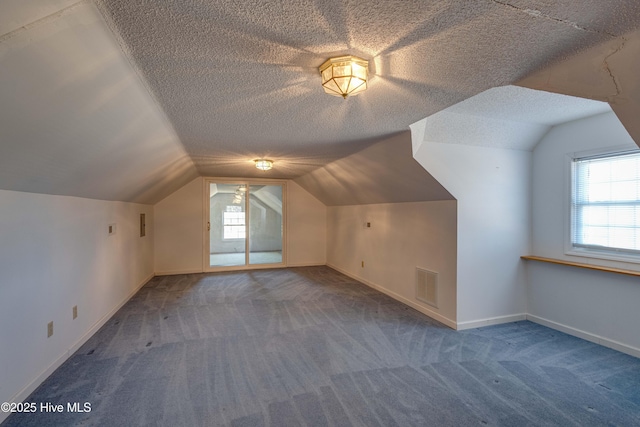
306 228
179 237
402 236
57 253
492 187
551 190
597 306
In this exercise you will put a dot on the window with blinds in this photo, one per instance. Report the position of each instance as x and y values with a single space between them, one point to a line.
233 223
605 206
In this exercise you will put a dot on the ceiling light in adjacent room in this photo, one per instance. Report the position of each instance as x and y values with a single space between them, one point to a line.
264 164
344 75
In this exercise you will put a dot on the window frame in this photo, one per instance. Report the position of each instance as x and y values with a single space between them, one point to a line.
590 252
226 226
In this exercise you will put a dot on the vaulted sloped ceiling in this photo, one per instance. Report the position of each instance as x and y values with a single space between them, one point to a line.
384 172
239 79
75 119
129 99
606 72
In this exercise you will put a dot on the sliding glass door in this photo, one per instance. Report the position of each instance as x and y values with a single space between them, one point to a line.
265 224
227 225
245 227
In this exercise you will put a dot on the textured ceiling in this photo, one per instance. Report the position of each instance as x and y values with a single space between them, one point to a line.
508 117
238 79
19 13
118 102
518 104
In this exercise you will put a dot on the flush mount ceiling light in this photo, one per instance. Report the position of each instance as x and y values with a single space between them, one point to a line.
344 75
264 164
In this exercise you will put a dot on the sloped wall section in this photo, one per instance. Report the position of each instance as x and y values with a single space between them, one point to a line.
606 72
75 118
492 187
385 172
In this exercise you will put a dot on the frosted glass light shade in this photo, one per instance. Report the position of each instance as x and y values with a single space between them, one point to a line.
264 164
344 75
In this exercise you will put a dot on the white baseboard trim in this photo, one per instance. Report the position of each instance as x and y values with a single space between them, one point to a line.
192 271
175 272
30 388
460 326
424 310
588 336
304 264
472 324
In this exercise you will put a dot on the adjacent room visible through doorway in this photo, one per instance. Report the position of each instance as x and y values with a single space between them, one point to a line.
245 227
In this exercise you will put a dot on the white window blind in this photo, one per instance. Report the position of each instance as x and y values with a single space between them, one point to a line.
606 203
233 223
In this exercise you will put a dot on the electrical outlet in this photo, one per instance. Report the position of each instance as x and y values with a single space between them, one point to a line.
75 311
362 264
49 329
112 229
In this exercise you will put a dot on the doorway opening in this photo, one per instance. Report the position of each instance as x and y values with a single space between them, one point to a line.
245 224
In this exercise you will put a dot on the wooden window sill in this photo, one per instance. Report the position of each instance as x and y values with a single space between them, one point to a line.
580 265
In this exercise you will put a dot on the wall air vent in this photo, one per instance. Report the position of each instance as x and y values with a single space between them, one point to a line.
427 287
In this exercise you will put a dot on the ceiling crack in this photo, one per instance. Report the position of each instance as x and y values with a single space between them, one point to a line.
46 19
606 66
538 14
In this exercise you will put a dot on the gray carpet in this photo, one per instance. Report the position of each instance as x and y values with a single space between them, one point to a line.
311 347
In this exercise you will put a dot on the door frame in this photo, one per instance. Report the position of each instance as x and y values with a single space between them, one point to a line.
206 260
